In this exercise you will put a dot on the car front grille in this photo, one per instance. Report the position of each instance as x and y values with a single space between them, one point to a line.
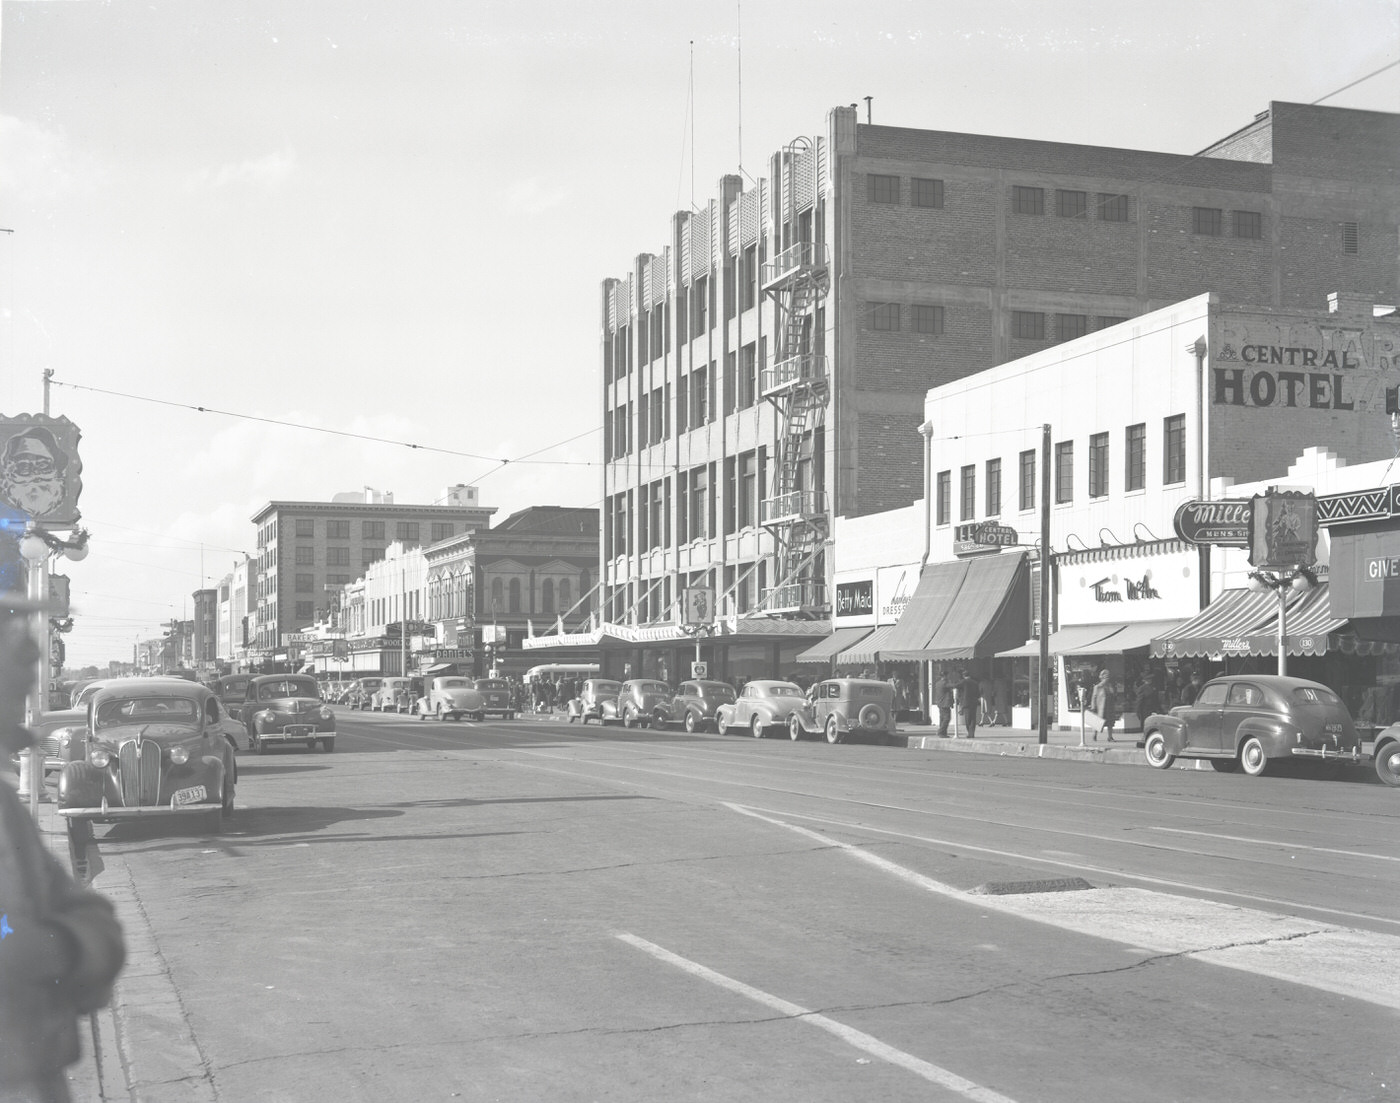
50 746
139 762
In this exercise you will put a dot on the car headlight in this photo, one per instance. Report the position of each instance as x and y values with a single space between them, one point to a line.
64 737
326 713
100 758
179 755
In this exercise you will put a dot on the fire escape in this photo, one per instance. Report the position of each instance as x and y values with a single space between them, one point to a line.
798 386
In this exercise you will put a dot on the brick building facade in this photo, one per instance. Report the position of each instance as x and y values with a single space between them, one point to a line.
766 370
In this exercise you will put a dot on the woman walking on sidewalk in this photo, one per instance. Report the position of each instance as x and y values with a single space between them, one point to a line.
1105 704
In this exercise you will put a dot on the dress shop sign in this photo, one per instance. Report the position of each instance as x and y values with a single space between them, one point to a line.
1264 363
868 598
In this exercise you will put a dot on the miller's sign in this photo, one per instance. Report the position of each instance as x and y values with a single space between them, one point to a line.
1226 523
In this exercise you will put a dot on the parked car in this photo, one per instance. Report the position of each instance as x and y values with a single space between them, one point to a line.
287 708
761 706
597 700
1248 720
63 733
232 691
696 704
156 747
361 693
451 698
393 695
841 707
496 693
1387 755
642 701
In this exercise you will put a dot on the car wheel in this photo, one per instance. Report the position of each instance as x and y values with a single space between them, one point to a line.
328 745
227 808
422 712
441 714
872 717
214 821
511 716
756 727
1252 756
629 718
1388 764
834 734
692 722
1225 765
794 728
1155 748
79 837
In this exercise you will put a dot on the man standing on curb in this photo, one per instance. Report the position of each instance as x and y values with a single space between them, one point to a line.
61 946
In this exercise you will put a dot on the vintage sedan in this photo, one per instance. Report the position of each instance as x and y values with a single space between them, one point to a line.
62 733
361 693
842 707
451 698
1247 720
156 747
496 693
597 700
696 704
394 695
762 705
642 701
232 691
287 708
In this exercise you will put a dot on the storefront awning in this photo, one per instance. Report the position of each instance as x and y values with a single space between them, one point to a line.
1126 637
1226 620
833 645
869 650
1243 622
984 609
1071 640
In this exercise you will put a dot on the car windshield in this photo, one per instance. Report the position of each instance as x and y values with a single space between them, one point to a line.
146 710
785 691
233 691
453 683
1315 695
291 687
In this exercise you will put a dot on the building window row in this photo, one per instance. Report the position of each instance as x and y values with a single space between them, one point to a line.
1037 325
1134 472
886 190
1210 222
924 318
1070 203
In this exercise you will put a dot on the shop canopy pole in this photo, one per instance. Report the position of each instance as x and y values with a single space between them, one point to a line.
1043 730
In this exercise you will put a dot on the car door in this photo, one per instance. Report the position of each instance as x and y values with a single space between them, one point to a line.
1203 718
1243 701
828 693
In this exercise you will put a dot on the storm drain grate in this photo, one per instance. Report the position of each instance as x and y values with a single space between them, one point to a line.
1020 888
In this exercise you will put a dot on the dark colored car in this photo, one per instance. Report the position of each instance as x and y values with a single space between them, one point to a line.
1247 720
841 707
232 691
155 747
287 708
496 697
696 705
642 701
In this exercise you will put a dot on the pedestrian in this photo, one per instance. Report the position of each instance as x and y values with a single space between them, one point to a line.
970 698
1105 705
60 943
943 694
1149 700
1191 689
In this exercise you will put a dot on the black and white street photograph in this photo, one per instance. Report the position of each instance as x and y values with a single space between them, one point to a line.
745 552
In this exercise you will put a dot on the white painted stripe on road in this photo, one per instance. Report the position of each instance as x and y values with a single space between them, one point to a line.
1276 844
857 1038
1360 965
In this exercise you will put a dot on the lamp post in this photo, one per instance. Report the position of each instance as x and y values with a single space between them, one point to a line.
1296 580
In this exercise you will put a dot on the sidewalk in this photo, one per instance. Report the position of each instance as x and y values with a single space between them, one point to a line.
1125 750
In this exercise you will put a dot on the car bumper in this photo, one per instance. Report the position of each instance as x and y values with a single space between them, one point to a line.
111 814
1329 754
294 733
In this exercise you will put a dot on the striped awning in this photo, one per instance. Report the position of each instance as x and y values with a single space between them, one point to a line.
833 645
867 651
1222 627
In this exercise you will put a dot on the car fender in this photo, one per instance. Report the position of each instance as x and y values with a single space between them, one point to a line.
1277 738
1172 729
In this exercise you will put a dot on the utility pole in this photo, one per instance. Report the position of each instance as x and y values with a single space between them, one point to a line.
1043 674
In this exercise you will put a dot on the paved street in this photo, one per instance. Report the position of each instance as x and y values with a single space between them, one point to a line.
535 910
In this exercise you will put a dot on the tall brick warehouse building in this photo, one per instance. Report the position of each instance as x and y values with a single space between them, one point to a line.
766 369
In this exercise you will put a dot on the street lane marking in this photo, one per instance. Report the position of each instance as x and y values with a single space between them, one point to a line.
857 1038
1277 844
1359 965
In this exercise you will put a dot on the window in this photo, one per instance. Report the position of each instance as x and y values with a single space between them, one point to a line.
659 426
498 595
1072 204
306 526
442 530
1135 451
926 193
968 503
514 600
306 610
883 189
993 488
372 530
1064 472
1207 220
747 375
1349 237
643 420
1247 224
682 404
1028 200
620 447
1028 325
884 316
547 596
1028 479
699 397
659 519
370 555
305 557
406 531
1174 449
699 306
748 490
337 557
927 319
306 584
1113 208
338 579
337 530
699 502
1070 326
945 490
748 291
1098 465
1104 321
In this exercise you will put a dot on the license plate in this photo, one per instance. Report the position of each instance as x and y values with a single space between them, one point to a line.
193 795
297 729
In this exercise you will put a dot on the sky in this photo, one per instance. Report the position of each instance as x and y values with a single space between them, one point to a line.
368 238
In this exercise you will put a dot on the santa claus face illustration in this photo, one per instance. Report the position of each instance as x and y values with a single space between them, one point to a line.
32 468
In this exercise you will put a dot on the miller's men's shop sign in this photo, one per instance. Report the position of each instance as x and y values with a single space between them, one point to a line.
1227 523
